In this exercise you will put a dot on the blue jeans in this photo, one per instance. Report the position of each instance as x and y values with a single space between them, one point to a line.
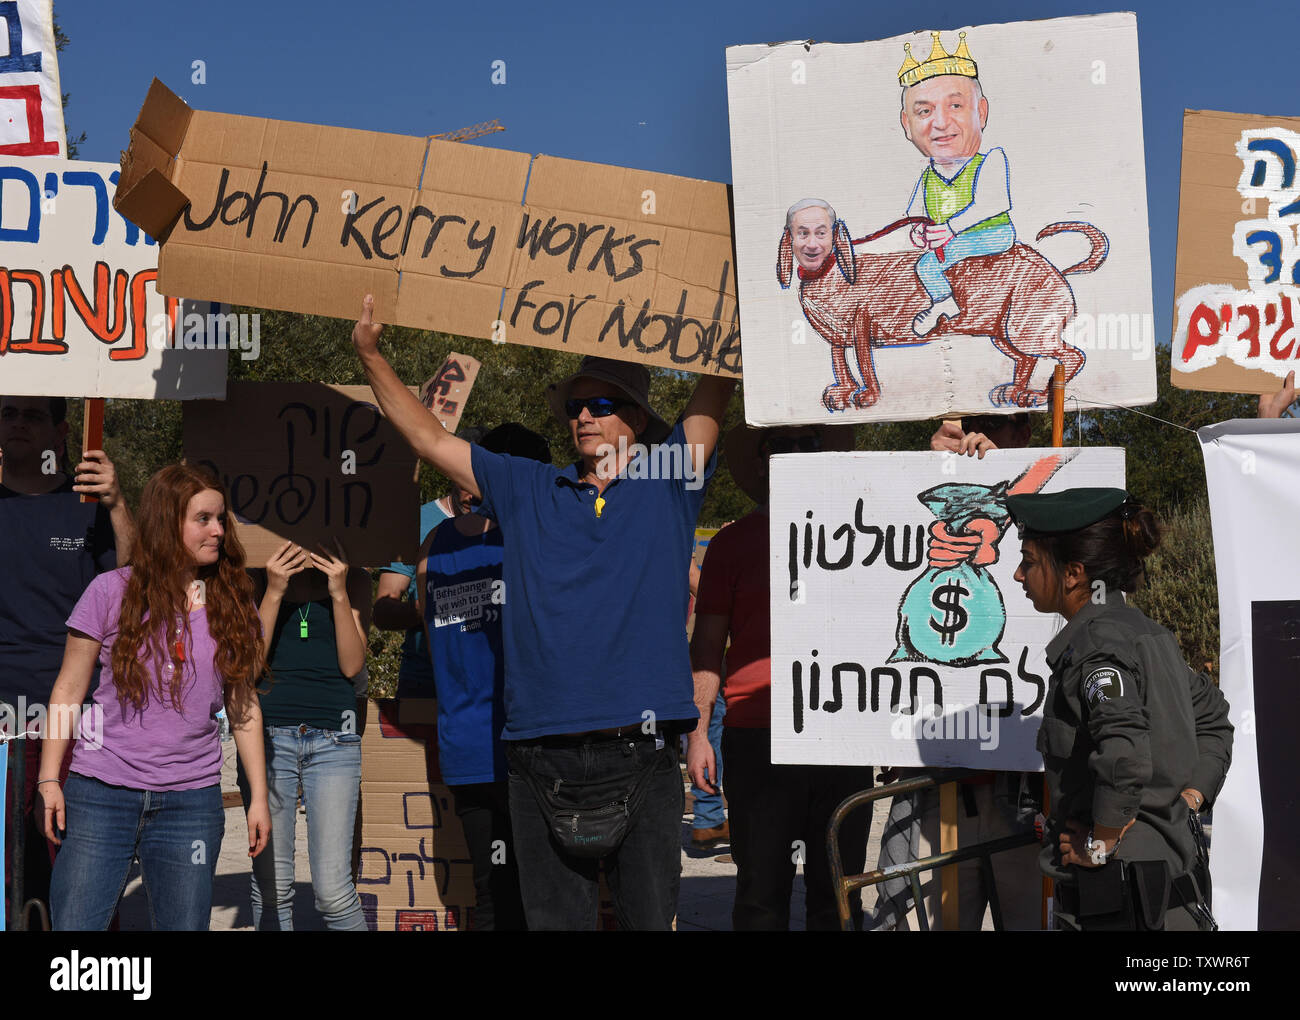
176 834
965 245
327 763
708 811
560 891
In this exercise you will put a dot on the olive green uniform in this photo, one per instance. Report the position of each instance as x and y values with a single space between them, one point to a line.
1127 726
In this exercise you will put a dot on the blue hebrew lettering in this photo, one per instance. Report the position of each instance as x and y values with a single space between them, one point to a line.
92 180
16 60
1271 259
32 232
363 878
1281 150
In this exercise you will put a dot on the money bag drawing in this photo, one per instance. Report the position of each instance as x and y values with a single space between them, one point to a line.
953 612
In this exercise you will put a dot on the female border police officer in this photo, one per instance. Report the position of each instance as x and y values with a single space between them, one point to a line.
1134 743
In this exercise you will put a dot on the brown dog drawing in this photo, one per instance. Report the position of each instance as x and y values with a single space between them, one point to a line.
1017 298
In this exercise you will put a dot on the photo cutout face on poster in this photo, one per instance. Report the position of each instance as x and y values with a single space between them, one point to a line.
930 224
900 634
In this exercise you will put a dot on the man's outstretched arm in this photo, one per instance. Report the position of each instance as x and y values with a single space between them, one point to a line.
702 419
430 441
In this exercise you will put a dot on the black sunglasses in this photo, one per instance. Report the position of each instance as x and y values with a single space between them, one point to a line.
600 407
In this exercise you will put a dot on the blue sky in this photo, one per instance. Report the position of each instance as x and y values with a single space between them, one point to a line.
633 85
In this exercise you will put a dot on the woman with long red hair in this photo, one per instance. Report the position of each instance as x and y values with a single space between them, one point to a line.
177 636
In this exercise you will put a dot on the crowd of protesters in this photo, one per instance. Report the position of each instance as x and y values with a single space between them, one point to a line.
561 718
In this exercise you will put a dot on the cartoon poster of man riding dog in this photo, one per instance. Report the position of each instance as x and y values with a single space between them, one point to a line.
969 276
949 282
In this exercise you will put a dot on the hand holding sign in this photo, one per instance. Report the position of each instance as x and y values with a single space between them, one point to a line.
96 476
365 334
288 560
335 569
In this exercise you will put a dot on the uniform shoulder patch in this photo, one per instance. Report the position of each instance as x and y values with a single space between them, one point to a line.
1103 684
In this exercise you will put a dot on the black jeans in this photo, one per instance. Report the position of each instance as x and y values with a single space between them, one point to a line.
484 813
779 813
560 891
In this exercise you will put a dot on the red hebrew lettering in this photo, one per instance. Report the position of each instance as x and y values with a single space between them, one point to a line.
1197 336
416 920
6 311
1251 332
36 145
56 303
1284 327
96 316
140 318
35 345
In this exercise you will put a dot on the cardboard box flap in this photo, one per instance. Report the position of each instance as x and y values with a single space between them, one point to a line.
145 193
152 202
164 118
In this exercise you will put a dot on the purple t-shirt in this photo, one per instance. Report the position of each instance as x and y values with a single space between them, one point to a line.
156 748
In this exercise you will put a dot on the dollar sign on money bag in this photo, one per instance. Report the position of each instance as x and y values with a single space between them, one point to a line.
947 599
954 615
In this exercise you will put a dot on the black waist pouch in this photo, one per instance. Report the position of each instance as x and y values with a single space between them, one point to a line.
589 819
1123 896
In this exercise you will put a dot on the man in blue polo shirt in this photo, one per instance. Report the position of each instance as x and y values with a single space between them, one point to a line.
598 676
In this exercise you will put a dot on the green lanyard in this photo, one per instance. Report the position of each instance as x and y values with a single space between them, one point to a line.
302 621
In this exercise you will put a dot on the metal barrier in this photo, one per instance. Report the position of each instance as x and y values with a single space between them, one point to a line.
845 885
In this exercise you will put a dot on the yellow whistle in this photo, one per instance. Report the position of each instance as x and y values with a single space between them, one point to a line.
600 504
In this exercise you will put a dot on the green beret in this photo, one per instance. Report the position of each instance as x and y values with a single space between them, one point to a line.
1069 510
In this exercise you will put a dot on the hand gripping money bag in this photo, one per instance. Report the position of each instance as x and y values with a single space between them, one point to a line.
953 612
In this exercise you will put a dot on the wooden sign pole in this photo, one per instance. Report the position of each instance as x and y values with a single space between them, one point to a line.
948 888
92 432
1058 440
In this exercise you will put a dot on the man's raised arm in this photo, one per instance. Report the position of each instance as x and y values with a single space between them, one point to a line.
430 441
702 419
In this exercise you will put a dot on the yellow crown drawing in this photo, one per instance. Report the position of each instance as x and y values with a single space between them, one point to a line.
940 61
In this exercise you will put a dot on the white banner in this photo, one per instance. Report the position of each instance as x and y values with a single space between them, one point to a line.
31 103
1040 223
889 650
1253 471
81 315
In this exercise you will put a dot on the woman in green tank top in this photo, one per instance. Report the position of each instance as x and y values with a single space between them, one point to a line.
315 613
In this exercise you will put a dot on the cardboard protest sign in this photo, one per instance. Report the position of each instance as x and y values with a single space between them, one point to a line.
1235 283
31 102
446 391
80 313
945 257
896 638
477 242
415 872
310 463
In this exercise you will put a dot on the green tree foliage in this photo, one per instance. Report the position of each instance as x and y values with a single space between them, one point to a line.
1181 589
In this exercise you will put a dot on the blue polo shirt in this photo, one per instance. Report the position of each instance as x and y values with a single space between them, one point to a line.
595 606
